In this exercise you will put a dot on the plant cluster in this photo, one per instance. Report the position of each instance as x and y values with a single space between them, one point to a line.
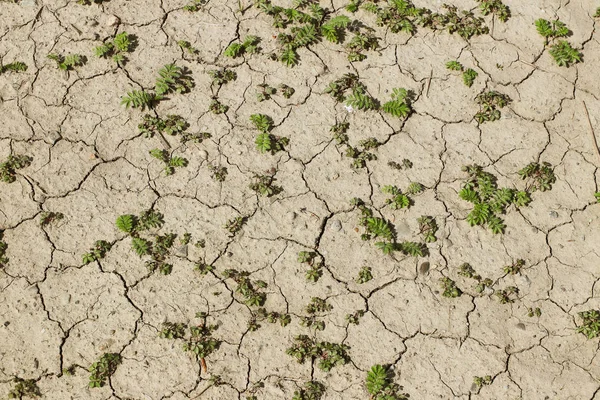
489 201
399 106
222 76
271 317
24 388
450 288
103 369
171 162
315 309
47 217
248 46
171 125
250 290
468 74
329 354
564 55
379 228
505 295
359 44
364 275
406 164
538 177
187 46
315 270
490 103
9 167
495 7
171 78
380 384
590 325
358 97
216 107
480 381
312 390
117 48
597 196
534 312
172 330
3 248
234 225
515 267
355 317
68 62
265 185
158 250
218 173
101 247
428 228
201 342
266 141
16 66
360 154
467 271
399 200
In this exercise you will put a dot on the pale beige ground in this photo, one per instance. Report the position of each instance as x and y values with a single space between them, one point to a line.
91 164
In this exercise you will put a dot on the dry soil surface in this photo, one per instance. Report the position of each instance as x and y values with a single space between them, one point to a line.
90 163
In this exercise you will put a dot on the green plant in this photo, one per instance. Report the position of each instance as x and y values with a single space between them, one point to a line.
248 46
171 330
398 200
538 176
222 76
364 275
195 5
480 381
16 66
3 248
187 46
468 75
101 247
355 317
248 289
262 122
551 29
234 225
468 271
265 92
360 43
173 79
597 14
120 45
9 167
201 343
406 164
489 104
316 306
216 107
504 295
217 172
590 325
415 188
597 196
329 354
171 162
454 66
515 267
315 270
286 91
564 54
47 217
427 227
495 7
140 99
450 288
312 390
265 185
171 125
266 142
24 388
103 369
358 97
534 312
67 62
399 106
203 268
380 384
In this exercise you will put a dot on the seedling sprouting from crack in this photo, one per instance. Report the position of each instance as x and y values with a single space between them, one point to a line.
551 29
450 288
47 217
380 384
234 225
171 125
329 354
265 92
564 55
201 343
265 185
195 5
8 169
399 106
490 103
315 270
248 46
172 330
217 172
515 267
505 296
495 7
538 177
315 309
223 76
312 390
534 312
355 317
597 14
171 162
398 200
468 74
98 252
249 290
364 275
265 141
590 325
480 381
24 388
68 62
187 46
103 369
117 48
16 66
216 107
427 228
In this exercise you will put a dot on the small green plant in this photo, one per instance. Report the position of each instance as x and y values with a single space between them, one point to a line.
312 390
222 76
468 74
398 200
364 275
597 196
3 248
399 106
216 107
103 369
358 98
590 325
140 99
561 51
490 103
360 43
380 384
195 5
565 55
262 122
187 46
286 91
454 66
200 342
515 267
68 62
171 125
203 268
355 317
16 66
47 217
450 288
218 173
315 270
171 330
117 48
8 169
480 381
101 247
551 29
315 309
265 92
406 164
495 7
171 162
468 271
234 225
505 295
247 288
329 354
534 312
427 228
24 388
538 177
173 79
266 142
248 46
265 185
597 14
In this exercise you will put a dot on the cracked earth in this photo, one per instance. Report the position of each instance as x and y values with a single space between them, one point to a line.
90 163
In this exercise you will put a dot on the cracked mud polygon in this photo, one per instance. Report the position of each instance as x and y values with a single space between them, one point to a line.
272 242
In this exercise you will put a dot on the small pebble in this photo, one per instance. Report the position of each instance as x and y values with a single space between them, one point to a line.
112 20
553 214
182 251
424 268
336 225
521 326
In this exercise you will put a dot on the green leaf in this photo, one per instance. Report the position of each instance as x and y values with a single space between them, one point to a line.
454 66
127 223
263 142
469 77
141 246
377 379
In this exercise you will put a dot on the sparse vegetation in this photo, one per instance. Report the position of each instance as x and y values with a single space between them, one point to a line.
364 275
590 325
8 169
3 248
101 247
171 162
248 46
24 388
117 48
468 74
450 288
312 390
329 355
103 369
490 103
561 50
68 62
380 384
16 66
47 217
